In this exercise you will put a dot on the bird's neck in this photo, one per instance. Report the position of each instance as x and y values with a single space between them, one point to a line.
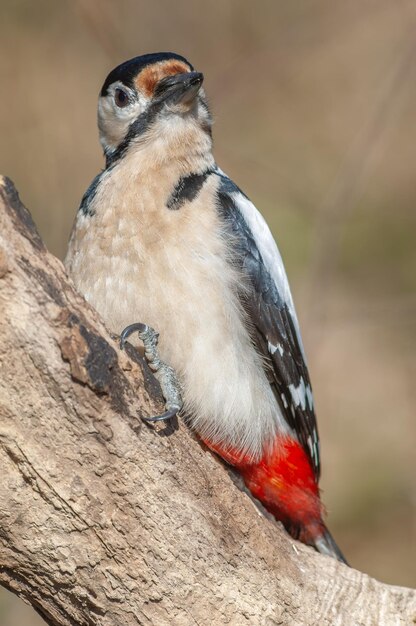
180 144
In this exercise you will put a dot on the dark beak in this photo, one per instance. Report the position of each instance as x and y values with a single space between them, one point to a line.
179 88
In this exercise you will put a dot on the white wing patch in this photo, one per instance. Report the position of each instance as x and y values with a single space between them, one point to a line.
301 395
270 254
272 349
313 445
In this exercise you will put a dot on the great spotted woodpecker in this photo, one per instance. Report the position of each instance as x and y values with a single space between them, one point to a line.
165 237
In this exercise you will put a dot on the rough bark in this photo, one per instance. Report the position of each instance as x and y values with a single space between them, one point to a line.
106 521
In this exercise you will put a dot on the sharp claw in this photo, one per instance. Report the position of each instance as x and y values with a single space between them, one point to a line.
129 330
167 415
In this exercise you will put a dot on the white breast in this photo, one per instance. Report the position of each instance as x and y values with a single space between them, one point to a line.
135 260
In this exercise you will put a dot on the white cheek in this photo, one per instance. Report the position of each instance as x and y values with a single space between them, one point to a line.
114 122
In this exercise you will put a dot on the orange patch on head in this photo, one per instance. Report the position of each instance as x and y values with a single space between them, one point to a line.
148 78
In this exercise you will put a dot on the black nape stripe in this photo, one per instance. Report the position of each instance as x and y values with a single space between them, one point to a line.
186 189
88 197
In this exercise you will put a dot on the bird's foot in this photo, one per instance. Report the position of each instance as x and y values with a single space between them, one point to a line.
165 374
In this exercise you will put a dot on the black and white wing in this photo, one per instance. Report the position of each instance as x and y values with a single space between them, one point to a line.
272 314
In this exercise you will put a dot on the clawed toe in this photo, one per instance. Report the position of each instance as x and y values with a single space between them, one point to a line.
166 375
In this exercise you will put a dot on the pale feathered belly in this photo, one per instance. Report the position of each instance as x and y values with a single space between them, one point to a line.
177 278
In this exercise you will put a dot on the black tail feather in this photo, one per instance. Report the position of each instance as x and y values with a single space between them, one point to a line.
325 544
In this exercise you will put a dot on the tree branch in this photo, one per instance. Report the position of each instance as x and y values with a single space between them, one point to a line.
106 521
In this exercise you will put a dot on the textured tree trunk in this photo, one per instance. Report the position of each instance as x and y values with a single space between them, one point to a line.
106 521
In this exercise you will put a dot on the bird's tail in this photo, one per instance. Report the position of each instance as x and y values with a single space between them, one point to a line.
325 544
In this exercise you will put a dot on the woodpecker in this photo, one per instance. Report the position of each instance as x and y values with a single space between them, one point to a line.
163 237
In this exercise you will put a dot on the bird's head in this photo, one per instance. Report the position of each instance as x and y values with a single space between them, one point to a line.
149 98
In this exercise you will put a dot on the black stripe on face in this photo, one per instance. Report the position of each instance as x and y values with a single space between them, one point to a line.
140 125
186 189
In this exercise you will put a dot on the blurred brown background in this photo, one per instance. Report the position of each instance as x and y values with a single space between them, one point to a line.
314 106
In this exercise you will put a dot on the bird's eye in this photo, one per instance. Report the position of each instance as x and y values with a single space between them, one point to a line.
121 98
